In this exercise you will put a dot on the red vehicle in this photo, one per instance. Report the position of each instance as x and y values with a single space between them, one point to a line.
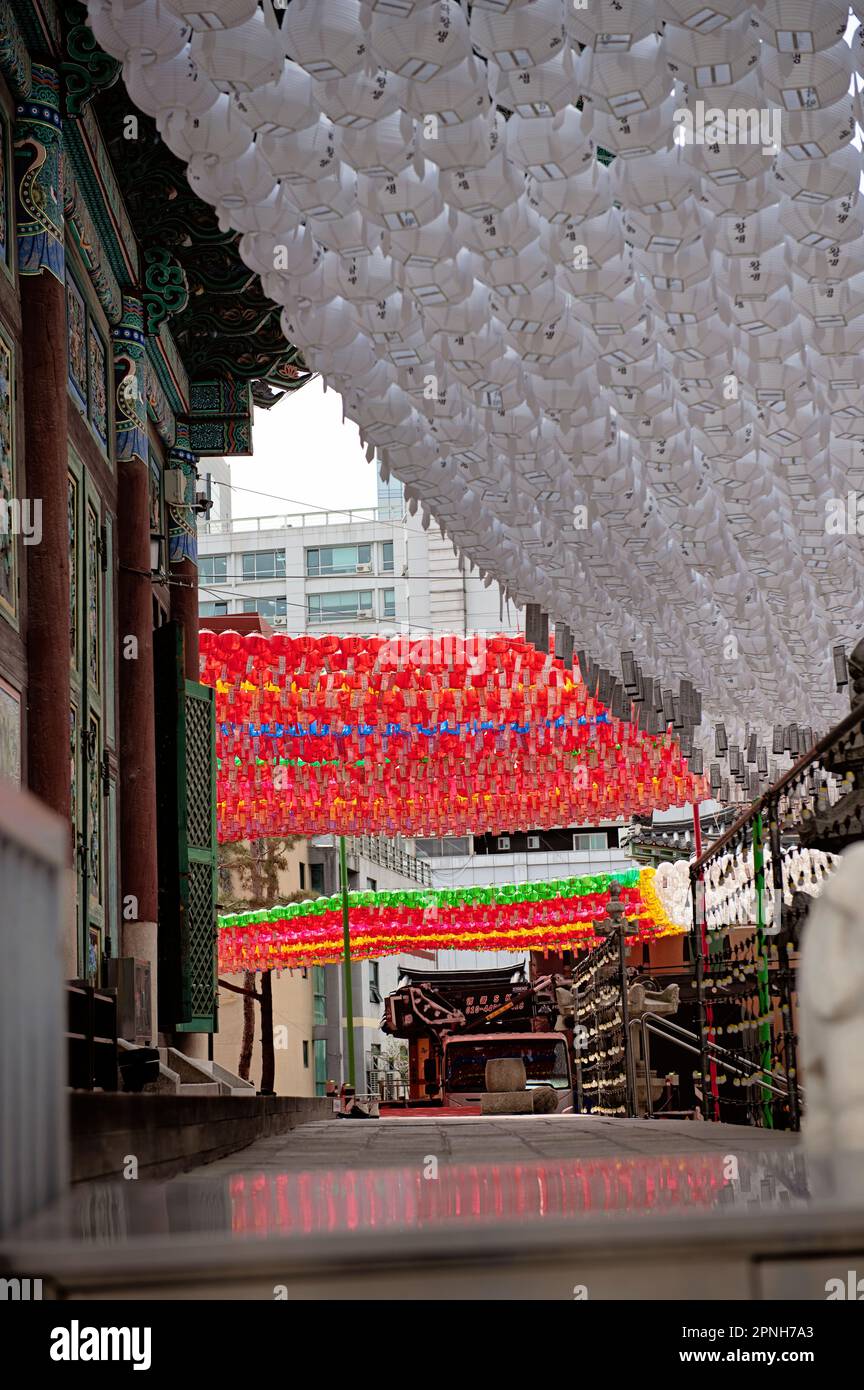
463 1069
456 1021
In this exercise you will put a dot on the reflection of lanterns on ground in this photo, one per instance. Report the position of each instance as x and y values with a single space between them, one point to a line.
382 1199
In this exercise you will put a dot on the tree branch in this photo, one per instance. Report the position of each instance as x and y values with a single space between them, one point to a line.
238 989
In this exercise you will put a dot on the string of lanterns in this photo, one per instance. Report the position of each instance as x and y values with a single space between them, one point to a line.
730 884
365 735
607 338
554 915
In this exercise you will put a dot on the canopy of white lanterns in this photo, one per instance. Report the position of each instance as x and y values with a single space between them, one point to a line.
629 390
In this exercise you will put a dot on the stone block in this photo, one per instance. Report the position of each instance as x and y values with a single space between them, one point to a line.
544 1100
505 1074
506 1103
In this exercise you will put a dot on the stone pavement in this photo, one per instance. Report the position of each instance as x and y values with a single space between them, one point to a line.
406 1141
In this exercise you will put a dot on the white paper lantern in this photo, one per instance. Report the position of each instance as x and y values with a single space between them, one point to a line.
275 213
819 180
173 83
362 97
302 154
715 59
243 58
434 241
553 147
536 92
841 219
236 182
212 14
465 146
466 316
610 24
139 34
380 150
419 46
447 282
389 320
364 279
322 326
218 130
633 137
283 106
325 200
327 40
486 191
404 202
281 259
519 35
807 79
797 26
350 237
357 356
625 84
567 202
457 94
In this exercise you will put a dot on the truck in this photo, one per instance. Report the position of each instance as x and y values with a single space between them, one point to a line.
455 1021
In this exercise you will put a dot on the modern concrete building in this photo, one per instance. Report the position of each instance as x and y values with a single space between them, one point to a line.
368 570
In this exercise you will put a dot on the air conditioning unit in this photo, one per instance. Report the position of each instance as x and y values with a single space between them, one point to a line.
365 568
365 613
533 841
503 841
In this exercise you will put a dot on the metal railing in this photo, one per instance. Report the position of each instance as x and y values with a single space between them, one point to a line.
250 525
382 851
689 1041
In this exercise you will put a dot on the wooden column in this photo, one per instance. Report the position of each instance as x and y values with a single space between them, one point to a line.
183 542
137 734
39 189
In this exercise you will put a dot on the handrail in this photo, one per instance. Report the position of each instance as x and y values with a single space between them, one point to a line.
763 803
655 1023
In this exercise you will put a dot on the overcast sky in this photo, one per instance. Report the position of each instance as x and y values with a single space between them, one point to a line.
305 456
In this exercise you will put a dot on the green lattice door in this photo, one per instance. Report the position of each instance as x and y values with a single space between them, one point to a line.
186 785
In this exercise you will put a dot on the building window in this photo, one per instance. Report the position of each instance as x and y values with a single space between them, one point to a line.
374 983
387 557
339 559
270 608
340 607
447 844
212 610
305 1053
263 564
388 603
371 885
316 878
302 868
212 569
319 994
320 1049
591 839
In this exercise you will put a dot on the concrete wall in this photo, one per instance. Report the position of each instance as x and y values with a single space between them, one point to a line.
292 997
170 1134
292 1026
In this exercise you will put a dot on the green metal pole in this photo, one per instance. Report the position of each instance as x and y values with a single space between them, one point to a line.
346 948
762 967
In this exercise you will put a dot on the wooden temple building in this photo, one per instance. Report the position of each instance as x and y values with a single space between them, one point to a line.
133 342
